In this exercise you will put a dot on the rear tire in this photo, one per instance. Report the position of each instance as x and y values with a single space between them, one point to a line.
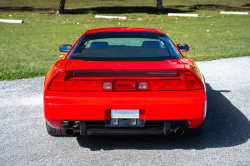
52 131
196 131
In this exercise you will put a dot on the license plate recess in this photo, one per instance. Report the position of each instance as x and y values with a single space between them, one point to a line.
125 118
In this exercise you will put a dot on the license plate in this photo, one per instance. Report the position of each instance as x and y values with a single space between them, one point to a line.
125 113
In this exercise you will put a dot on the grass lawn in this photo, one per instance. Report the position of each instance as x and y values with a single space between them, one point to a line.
30 49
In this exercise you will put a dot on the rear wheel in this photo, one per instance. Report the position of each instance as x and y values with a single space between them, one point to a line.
52 131
195 131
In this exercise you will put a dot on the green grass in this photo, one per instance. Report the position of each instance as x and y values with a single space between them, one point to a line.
30 49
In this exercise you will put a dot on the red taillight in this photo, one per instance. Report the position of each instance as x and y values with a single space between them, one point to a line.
61 82
191 81
81 85
58 82
167 85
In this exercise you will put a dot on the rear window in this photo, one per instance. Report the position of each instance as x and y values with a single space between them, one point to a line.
124 46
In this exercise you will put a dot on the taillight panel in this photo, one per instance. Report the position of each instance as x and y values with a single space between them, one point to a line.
65 82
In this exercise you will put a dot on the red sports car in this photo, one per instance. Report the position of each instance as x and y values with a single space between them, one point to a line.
124 81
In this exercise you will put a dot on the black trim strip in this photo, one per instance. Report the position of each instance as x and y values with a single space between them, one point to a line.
157 73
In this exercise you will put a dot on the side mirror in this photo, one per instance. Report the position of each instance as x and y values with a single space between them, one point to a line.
183 47
65 48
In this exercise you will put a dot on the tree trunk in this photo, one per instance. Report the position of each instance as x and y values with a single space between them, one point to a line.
61 6
159 5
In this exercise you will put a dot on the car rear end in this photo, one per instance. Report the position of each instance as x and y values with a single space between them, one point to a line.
124 97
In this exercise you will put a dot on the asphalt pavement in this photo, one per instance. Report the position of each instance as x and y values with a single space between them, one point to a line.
225 140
